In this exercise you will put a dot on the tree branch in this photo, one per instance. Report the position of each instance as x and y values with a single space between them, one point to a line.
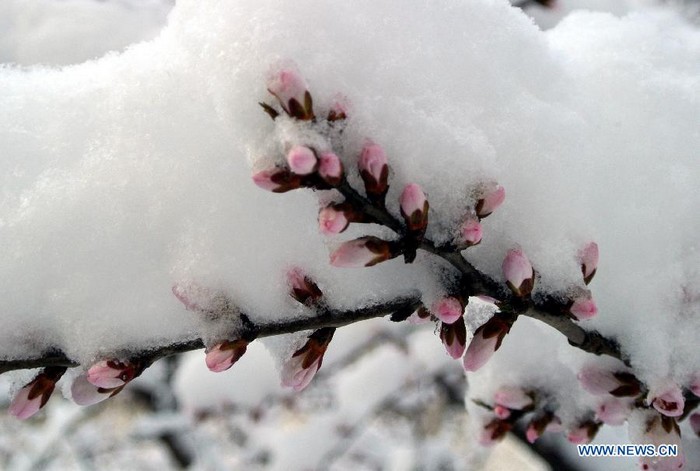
331 318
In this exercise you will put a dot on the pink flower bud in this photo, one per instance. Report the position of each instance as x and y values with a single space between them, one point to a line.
111 374
695 423
583 433
669 401
501 412
588 257
518 272
546 422
532 434
454 337
302 160
330 168
332 220
471 232
414 207
303 288
300 369
648 427
513 398
339 110
374 170
448 310
291 91
34 395
583 308
695 384
600 381
492 200
223 355
277 180
613 411
487 339
362 252
85 393
494 431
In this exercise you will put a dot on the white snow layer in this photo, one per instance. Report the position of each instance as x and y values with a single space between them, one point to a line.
122 176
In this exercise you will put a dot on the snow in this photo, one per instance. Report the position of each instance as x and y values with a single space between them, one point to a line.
126 174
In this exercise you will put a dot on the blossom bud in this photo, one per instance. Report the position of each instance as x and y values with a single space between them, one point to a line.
583 308
532 433
277 180
613 411
109 374
669 401
471 232
414 208
600 381
300 369
518 272
223 355
545 422
494 431
338 111
487 339
449 310
35 394
302 160
362 252
420 316
513 398
454 337
374 171
303 288
291 91
695 384
588 256
695 423
330 168
492 200
501 412
583 433
85 393
335 218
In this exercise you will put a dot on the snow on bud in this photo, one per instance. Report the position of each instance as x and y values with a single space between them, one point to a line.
302 287
85 393
487 339
35 394
277 180
223 355
414 208
471 232
518 272
339 110
374 171
300 369
583 308
600 381
583 433
330 168
588 256
669 401
489 202
513 398
454 337
501 412
546 422
695 423
109 374
302 160
290 89
362 252
613 411
494 431
449 310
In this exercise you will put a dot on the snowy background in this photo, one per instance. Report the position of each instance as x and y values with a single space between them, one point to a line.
129 171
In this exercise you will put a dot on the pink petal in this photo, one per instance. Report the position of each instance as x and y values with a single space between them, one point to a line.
85 394
471 232
330 168
412 199
583 308
669 401
501 412
448 310
479 352
512 398
219 360
332 221
518 272
589 259
301 160
597 381
491 201
287 84
22 407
